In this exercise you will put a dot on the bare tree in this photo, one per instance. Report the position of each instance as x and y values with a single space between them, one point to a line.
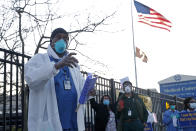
23 26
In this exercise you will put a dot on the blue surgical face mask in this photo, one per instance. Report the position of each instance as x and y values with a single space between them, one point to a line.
193 105
106 102
60 46
172 107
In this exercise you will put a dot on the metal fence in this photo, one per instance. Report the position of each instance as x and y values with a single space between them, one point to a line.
13 99
14 95
110 87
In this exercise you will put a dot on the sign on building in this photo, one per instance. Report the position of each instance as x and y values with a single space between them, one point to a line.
179 85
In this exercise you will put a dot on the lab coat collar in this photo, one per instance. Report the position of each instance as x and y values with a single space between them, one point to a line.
51 53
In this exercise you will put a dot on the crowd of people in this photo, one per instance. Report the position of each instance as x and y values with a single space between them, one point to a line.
127 114
132 115
55 84
171 116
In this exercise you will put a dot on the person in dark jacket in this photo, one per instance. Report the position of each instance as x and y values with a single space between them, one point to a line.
105 114
133 113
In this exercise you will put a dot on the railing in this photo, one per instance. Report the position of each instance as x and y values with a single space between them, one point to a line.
14 95
13 99
110 87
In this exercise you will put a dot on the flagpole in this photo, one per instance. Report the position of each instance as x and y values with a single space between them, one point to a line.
134 44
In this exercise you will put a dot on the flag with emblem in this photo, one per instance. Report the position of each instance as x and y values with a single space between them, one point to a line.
141 54
138 53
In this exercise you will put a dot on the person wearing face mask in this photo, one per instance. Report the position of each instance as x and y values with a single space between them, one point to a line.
55 84
189 106
131 109
105 119
170 117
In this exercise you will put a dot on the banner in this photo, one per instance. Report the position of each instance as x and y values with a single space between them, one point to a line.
88 85
148 127
147 101
187 119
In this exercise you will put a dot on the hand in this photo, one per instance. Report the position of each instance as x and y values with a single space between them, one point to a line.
92 92
68 60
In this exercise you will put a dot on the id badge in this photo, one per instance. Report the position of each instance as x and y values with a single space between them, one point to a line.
129 113
67 85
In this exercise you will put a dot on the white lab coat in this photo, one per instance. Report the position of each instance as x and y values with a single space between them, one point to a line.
43 112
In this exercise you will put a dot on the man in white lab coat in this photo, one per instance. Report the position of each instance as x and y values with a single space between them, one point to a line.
55 84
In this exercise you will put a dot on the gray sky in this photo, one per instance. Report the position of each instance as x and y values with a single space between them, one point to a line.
169 53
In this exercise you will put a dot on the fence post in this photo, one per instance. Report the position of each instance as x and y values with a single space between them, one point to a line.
26 101
148 93
175 102
112 91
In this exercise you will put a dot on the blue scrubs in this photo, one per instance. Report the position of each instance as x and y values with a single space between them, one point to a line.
167 120
66 98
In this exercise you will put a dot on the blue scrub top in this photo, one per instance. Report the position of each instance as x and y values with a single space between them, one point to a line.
167 120
66 98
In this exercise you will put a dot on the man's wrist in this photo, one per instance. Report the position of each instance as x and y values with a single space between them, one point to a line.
56 66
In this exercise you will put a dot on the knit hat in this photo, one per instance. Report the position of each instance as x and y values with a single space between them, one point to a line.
125 80
57 31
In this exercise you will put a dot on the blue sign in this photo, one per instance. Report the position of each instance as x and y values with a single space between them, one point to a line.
187 119
148 127
88 85
180 89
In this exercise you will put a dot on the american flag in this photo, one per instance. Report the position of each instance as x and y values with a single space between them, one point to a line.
151 17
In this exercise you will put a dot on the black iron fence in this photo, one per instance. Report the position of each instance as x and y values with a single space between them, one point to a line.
111 87
12 91
14 95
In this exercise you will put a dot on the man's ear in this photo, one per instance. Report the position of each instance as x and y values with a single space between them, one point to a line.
52 44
